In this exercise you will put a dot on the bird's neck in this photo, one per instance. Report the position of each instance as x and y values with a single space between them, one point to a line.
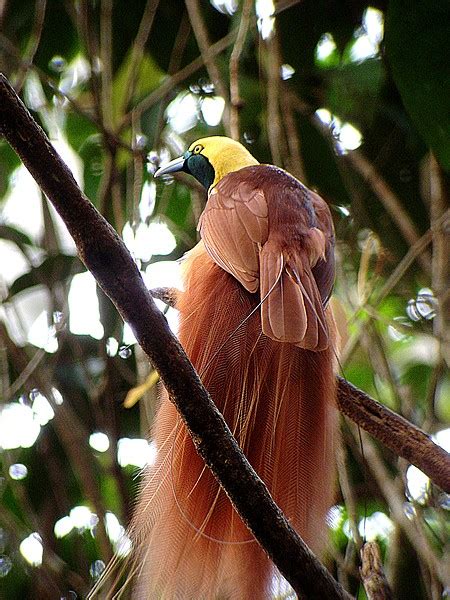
230 160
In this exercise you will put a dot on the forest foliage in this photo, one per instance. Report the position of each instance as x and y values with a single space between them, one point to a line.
348 95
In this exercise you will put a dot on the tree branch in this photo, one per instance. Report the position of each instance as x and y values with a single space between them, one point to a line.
105 254
173 80
235 99
395 432
202 37
372 573
390 201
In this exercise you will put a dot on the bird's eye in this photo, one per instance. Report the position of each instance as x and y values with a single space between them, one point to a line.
198 148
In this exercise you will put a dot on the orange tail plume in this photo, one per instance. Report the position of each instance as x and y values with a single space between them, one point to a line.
189 541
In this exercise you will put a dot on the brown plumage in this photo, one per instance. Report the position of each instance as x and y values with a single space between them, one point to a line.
265 237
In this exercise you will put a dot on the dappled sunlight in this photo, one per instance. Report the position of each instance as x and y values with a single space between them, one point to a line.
147 201
82 518
373 23
228 7
128 339
417 485
146 240
325 47
83 306
212 108
335 517
74 74
364 45
99 441
135 452
30 219
423 306
265 10
372 527
367 40
17 471
43 335
375 526
183 112
19 427
21 422
32 550
14 263
287 72
63 527
346 136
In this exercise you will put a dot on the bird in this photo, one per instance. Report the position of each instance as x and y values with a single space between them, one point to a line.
256 322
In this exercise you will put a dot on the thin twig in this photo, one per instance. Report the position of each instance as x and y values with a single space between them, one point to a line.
295 163
394 496
235 99
171 82
283 5
395 432
176 56
137 49
347 493
391 283
440 269
93 54
106 32
50 559
379 186
389 200
202 37
274 127
88 114
73 437
33 43
372 573
374 347
25 374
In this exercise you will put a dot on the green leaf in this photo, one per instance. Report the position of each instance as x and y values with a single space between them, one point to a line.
16 236
320 163
352 90
78 129
92 155
51 270
148 78
417 44
9 161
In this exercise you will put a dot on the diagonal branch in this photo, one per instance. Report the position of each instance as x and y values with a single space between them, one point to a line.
235 99
172 81
372 573
395 432
390 201
138 49
201 35
105 254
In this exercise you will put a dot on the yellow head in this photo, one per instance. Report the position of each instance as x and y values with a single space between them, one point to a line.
209 159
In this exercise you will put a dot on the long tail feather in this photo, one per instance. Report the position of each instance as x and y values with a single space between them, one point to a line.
278 400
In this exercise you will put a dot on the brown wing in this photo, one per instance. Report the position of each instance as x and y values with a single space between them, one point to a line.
324 270
234 226
269 231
